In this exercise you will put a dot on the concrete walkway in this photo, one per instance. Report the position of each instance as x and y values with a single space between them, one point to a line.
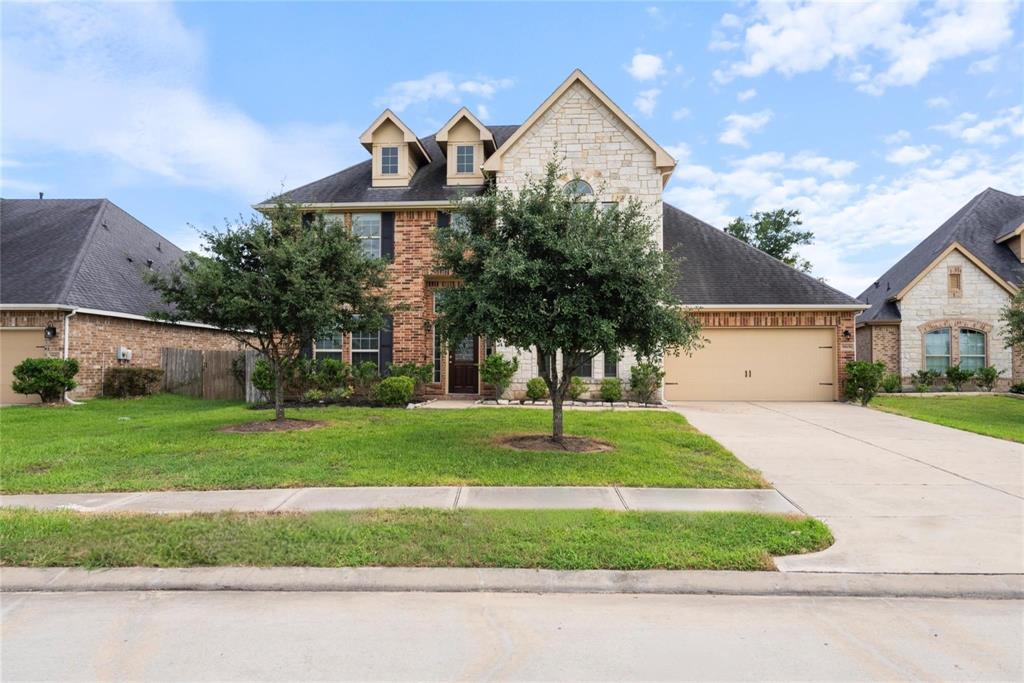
442 497
900 495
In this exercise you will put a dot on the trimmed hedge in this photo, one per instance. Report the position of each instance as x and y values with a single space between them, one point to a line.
129 382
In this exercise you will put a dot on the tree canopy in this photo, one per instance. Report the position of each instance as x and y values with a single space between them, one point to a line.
1012 317
549 269
275 282
773 232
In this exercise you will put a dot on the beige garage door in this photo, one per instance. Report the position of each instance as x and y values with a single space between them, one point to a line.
755 365
16 346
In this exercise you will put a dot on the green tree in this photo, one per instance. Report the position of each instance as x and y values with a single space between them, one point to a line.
1012 317
551 270
275 282
773 232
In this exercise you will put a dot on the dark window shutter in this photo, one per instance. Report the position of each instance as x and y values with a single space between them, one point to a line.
387 235
611 364
307 349
444 219
307 219
387 343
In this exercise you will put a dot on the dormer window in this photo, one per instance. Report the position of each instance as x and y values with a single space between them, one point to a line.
464 159
389 160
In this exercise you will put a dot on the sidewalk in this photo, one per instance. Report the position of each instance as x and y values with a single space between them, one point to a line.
442 497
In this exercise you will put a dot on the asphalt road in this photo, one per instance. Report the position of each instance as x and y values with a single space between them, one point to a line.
201 636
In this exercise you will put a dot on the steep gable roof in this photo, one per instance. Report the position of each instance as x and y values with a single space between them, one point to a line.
716 269
366 139
86 253
975 228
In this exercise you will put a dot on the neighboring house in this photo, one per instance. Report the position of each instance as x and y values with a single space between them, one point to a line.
773 333
71 285
940 304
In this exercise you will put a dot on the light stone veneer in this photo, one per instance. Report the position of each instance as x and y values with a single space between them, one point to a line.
596 145
929 301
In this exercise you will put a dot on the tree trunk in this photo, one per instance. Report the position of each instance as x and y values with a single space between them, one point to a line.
556 417
278 392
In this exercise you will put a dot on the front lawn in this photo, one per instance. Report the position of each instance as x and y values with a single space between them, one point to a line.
172 442
552 539
998 416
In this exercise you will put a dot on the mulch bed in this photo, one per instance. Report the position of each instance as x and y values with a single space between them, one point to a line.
287 425
541 442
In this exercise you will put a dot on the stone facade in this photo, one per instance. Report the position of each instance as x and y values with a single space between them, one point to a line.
94 340
929 305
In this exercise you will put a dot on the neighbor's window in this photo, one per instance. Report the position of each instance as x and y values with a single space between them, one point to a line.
972 349
464 159
366 347
586 370
611 365
459 222
955 282
608 206
328 347
366 226
334 220
388 160
578 188
936 350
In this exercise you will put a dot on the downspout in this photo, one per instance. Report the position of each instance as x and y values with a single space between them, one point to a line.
67 340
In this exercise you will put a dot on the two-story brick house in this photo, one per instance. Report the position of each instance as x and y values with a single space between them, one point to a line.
772 332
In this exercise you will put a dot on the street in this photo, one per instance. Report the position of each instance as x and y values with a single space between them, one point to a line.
472 636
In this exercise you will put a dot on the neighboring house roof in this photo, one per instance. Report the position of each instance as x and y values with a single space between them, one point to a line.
354 184
83 253
974 228
716 269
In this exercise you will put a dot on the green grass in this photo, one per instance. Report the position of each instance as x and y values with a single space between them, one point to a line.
998 416
171 442
555 539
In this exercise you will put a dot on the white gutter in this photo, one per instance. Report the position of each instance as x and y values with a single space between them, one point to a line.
67 340
777 307
35 307
96 311
426 204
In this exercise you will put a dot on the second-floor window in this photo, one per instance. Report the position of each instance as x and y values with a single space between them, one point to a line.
388 160
366 226
464 159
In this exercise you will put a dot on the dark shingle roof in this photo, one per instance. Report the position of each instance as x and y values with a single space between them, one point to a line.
87 253
717 268
354 183
976 226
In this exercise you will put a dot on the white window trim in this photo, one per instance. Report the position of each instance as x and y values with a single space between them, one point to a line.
472 159
387 148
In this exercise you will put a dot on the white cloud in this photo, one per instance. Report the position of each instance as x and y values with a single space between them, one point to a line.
440 85
720 42
910 154
995 131
680 152
730 21
738 126
937 102
745 95
984 66
837 168
897 137
680 114
483 112
645 67
794 38
646 100
134 74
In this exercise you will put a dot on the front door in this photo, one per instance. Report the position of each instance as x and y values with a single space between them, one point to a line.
462 367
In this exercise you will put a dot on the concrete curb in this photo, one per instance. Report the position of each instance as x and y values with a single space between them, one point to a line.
468 580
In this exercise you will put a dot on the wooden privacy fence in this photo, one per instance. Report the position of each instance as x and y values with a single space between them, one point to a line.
203 374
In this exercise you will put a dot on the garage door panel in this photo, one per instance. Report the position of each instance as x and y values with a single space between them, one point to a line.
755 365
16 346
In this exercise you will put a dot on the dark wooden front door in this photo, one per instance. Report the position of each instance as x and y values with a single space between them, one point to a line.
463 361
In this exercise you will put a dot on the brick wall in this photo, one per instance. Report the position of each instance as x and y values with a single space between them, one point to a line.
885 345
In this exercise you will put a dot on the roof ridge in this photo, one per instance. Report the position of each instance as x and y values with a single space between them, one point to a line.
80 256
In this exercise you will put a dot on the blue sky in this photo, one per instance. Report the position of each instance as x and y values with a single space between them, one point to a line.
877 120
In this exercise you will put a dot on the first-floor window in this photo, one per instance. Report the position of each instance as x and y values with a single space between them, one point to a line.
366 348
972 349
611 365
328 346
585 370
936 350
438 356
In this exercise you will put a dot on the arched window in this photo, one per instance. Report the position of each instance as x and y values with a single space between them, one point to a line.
937 350
972 349
577 188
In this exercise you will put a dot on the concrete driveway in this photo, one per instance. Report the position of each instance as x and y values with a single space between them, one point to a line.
900 495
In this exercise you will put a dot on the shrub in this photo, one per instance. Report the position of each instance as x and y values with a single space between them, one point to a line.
498 372
395 391
314 396
644 380
420 374
611 389
331 374
339 394
1017 388
536 389
263 377
577 387
364 377
302 376
923 380
48 377
892 383
986 377
957 376
863 380
125 382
